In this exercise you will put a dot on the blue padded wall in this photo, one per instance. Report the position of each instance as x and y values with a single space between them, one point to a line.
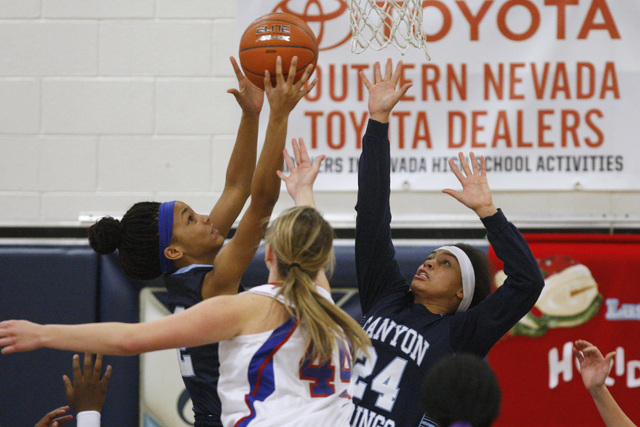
72 284
44 285
119 302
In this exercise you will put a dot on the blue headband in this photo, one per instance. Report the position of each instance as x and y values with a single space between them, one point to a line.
165 228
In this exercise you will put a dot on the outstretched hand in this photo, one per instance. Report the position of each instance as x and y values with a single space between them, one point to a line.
383 95
287 92
55 418
302 173
249 96
87 392
475 194
593 367
19 335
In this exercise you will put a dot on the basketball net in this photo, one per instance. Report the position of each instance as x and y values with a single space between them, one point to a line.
379 23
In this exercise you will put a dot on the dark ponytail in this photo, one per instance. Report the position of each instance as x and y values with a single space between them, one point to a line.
105 236
135 237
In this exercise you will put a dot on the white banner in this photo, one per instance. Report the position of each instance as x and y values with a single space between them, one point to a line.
164 401
545 90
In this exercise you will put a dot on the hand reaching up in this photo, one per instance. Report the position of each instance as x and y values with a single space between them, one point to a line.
302 174
87 392
594 370
249 96
383 95
593 367
286 93
475 194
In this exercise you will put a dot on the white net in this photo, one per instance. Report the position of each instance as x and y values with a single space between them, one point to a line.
379 23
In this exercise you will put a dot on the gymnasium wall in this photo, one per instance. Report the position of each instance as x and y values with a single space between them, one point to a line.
105 103
584 298
68 283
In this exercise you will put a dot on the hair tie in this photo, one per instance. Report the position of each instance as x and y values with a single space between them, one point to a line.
294 264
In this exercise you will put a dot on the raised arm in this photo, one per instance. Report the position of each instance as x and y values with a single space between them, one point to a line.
236 255
87 391
302 174
476 330
237 186
475 194
377 270
594 370
299 183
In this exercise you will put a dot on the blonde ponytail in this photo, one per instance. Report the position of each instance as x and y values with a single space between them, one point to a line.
303 244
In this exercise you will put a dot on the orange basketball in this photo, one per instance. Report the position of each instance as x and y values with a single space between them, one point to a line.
272 35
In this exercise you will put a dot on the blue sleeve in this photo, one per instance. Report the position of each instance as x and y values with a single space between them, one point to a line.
377 271
480 327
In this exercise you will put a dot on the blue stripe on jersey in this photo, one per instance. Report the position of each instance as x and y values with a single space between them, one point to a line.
261 378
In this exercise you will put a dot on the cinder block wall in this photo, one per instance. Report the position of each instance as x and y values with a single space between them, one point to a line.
105 103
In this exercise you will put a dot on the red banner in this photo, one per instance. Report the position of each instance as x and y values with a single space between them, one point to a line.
592 292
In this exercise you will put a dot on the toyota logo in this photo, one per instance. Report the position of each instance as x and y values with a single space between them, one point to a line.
323 17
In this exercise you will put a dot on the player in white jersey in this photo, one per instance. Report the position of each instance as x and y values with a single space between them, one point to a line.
296 338
272 369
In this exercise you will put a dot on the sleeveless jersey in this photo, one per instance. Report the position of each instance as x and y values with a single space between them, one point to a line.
267 380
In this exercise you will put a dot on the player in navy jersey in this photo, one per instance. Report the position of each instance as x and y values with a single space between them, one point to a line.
445 309
285 348
186 247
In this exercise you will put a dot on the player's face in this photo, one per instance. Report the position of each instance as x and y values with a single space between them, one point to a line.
194 233
439 279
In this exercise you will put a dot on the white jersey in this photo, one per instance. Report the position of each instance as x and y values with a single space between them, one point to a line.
265 379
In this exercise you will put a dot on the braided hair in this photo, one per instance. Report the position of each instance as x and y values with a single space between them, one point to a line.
135 237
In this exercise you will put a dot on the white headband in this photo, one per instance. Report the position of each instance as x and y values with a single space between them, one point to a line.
468 276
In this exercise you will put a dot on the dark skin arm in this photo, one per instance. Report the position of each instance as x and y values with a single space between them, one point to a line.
234 258
87 391
240 169
55 418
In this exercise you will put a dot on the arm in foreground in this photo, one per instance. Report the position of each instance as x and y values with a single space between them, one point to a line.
86 394
55 418
210 321
87 391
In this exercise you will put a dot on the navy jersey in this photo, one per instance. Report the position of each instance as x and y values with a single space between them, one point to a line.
199 366
407 338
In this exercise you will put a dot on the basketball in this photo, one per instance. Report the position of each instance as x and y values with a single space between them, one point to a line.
272 35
